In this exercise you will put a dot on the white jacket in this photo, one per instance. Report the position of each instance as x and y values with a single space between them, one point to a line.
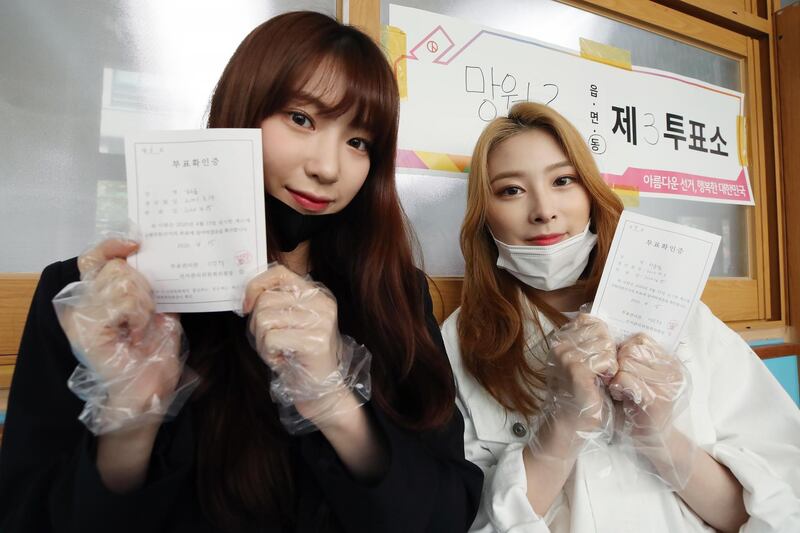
738 413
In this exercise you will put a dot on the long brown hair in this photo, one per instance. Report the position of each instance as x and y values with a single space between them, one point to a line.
491 321
244 469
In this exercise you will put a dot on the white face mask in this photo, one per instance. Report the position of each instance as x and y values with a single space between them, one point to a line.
547 268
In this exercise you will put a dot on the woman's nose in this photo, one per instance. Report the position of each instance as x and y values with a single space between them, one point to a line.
543 208
322 162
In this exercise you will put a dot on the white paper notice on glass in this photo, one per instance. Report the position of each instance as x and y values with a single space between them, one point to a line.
197 200
653 278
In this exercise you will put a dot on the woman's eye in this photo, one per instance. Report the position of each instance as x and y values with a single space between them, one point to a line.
359 144
563 180
301 119
511 191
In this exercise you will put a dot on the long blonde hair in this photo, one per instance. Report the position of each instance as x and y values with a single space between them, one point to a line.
490 324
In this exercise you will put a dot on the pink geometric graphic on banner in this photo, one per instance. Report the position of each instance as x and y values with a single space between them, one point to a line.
408 159
681 184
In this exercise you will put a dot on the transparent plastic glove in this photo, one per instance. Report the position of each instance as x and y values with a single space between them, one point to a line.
316 372
581 360
131 369
653 387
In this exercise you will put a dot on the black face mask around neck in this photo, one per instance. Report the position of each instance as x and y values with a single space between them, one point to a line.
291 228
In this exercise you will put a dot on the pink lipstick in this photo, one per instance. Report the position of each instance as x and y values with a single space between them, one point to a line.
546 240
308 201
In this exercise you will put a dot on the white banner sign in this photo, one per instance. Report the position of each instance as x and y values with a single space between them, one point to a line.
651 131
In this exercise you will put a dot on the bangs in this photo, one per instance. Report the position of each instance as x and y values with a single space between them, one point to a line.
352 79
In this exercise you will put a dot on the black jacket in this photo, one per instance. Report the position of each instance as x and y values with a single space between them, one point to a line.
49 482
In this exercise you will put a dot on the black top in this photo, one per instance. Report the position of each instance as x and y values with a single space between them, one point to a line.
49 481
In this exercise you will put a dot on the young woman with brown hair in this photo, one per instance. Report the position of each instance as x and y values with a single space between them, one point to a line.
573 431
233 459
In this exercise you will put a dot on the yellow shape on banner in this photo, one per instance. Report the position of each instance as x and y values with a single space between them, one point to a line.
741 139
603 53
393 40
438 161
628 194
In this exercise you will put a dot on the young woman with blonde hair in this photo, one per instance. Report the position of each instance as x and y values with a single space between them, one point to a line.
574 430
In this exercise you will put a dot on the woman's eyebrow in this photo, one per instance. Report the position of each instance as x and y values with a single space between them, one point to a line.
304 98
506 174
560 164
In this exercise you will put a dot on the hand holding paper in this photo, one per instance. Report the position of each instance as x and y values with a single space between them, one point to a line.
131 359
653 388
293 320
652 385
294 328
581 359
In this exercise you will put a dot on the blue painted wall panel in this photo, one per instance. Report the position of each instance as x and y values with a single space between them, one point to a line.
785 370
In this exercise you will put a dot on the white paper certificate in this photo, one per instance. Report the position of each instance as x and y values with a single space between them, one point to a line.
653 278
197 200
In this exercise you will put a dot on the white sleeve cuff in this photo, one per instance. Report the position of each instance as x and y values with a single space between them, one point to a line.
770 501
505 495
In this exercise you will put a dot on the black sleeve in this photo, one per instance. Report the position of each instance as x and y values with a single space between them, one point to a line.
428 487
48 478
